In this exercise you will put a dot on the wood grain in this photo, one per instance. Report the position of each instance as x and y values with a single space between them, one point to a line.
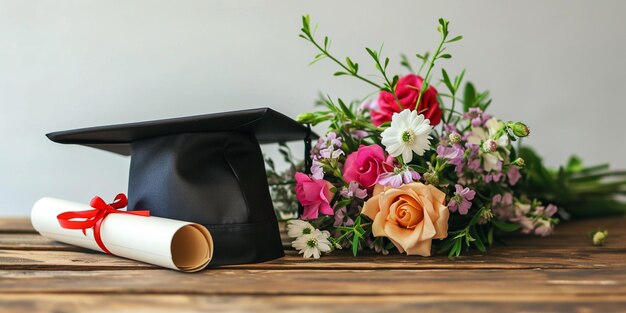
499 258
16 225
54 260
302 304
559 273
321 282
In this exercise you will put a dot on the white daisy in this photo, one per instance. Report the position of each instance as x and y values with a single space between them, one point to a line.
297 228
313 244
408 133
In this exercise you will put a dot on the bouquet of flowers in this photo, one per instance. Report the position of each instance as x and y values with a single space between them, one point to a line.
419 170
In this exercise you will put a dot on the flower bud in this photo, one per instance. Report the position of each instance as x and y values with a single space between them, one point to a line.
485 216
599 237
454 138
519 162
519 129
490 146
431 178
306 118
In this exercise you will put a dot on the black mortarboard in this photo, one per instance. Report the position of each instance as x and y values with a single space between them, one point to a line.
206 169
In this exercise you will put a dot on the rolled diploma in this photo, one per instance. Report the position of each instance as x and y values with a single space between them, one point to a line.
178 245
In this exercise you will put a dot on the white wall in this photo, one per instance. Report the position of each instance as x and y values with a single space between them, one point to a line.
558 65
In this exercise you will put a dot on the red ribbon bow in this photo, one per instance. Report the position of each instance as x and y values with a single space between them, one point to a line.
93 218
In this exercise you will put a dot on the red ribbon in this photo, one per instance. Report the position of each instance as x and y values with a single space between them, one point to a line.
93 218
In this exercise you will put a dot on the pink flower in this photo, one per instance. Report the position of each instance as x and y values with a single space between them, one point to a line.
514 175
454 154
314 195
364 165
399 177
462 199
342 218
353 191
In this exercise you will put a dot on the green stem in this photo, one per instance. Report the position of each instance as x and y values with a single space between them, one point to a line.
341 64
452 108
430 67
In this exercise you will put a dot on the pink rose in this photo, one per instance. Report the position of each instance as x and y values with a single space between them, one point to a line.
314 195
364 165
407 91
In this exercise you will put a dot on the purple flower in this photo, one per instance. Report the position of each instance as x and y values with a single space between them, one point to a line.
399 177
526 223
317 171
505 200
551 210
474 149
462 200
369 105
342 218
544 228
547 211
353 190
454 154
493 177
477 117
514 175
474 164
449 128
325 147
359 134
331 153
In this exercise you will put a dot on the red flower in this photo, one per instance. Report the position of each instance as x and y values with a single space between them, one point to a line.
407 90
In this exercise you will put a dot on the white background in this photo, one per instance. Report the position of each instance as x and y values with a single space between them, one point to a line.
558 65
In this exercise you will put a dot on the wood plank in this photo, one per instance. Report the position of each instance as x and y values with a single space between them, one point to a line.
80 261
16 225
28 241
559 251
567 248
450 283
503 258
304 304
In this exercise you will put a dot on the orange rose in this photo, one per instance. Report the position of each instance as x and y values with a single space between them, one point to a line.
411 216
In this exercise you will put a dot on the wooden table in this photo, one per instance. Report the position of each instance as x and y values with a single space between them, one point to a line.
563 272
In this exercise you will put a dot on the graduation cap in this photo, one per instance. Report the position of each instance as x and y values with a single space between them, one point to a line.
206 169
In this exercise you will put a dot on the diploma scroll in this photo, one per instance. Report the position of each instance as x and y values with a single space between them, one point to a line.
178 245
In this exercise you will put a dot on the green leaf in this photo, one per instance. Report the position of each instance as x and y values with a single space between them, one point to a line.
478 241
507 227
305 22
404 61
457 38
574 164
469 95
345 109
341 73
458 80
372 53
355 244
350 64
445 56
446 80
456 248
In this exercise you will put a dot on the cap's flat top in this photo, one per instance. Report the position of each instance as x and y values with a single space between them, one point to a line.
266 124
